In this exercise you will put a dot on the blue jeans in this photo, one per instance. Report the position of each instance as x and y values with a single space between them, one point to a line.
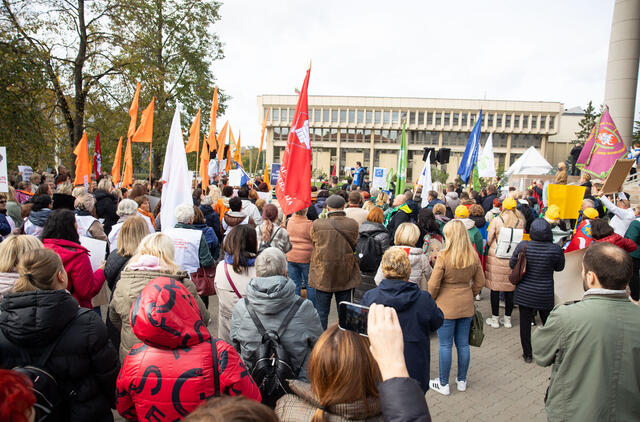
299 273
451 329
323 303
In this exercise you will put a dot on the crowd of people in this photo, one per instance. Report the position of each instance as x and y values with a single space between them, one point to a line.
133 334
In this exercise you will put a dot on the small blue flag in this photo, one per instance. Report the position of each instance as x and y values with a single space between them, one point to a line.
471 151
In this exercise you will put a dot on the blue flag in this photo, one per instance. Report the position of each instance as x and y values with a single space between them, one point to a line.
471 151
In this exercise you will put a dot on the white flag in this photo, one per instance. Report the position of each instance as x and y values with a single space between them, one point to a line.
486 164
175 175
425 180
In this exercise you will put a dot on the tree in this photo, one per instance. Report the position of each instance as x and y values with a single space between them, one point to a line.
169 46
587 123
636 131
71 42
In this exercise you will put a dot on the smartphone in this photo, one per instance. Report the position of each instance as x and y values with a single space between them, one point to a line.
353 317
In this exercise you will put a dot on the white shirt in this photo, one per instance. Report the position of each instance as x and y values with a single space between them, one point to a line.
249 209
186 243
622 217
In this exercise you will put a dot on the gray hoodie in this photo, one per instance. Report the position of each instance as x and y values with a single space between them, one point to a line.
452 200
271 298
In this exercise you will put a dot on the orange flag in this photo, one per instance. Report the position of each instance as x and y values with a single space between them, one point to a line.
204 165
133 112
264 125
127 180
212 119
266 175
228 166
145 130
194 135
83 166
237 154
222 139
117 163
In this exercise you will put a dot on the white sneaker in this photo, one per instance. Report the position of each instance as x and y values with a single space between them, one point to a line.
506 321
493 321
478 297
434 384
462 385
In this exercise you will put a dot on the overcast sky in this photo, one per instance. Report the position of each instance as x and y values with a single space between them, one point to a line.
539 51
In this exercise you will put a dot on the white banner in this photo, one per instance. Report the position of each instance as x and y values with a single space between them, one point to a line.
4 182
235 177
486 163
26 172
379 179
425 180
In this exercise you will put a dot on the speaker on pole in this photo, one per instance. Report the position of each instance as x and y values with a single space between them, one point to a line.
443 155
426 152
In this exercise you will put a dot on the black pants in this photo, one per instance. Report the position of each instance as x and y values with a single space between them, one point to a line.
526 318
495 303
634 284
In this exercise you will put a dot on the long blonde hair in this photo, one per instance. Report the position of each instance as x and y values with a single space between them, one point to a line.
133 230
38 270
458 252
158 245
382 199
13 248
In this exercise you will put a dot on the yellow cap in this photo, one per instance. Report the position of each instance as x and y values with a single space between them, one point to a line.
590 213
509 204
462 211
553 213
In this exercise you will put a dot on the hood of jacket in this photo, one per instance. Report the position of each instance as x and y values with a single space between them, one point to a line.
541 230
35 319
370 228
66 249
270 295
399 294
479 220
39 217
166 315
233 218
468 223
103 194
442 218
452 196
63 201
206 209
7 280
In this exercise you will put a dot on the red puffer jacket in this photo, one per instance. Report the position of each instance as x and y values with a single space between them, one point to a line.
172 372
626 244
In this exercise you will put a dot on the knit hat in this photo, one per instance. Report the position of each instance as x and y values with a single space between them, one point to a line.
509 204
553 214
462 211
335 202
590 213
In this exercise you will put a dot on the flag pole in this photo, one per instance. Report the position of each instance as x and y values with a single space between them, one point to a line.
197 170
150 149
123 165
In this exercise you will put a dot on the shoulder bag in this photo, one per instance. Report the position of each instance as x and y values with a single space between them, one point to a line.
233 286
476 334
520 269
204 280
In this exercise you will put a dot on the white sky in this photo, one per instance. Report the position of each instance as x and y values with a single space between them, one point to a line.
513 50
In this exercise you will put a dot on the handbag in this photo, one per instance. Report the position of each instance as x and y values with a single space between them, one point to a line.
508 240
476 335
520 269
204 279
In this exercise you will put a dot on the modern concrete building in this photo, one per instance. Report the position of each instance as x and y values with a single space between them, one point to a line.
367 129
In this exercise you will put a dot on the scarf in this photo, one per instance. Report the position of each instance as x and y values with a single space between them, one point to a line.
148 214
229 260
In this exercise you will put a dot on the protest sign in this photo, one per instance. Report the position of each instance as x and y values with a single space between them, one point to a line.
26 172
97 250
379 179
617 175
266 196
568 286
4 183
568 198
235 177
275 173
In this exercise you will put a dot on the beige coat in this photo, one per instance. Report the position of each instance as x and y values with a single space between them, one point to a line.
127 290
227 298
497 270
454 289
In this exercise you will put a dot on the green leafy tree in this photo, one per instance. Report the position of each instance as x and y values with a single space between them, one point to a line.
587 123
636 131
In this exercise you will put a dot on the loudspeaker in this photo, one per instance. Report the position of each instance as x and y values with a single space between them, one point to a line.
426 152
443 155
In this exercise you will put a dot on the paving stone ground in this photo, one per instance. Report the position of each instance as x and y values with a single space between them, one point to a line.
501 386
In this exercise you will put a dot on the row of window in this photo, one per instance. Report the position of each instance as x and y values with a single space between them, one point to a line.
414 137
429 118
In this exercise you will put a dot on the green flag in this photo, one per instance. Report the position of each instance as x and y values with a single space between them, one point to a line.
476 178
389 179
402 162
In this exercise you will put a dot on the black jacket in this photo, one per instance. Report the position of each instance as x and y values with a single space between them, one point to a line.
418 315
400 216
63 201
487 204
113 267
527 213
212 219
402 400
84 361
106 206
543 258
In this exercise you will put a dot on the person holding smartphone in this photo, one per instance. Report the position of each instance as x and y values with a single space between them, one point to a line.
417 311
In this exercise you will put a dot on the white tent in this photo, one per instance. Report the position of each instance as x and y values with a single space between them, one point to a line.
529 163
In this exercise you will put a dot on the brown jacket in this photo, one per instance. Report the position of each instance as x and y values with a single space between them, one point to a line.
299 228
498 270
334 267
302 404
454 289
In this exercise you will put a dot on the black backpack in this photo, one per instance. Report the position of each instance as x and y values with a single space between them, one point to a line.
273 366
369 252
48 392
266 245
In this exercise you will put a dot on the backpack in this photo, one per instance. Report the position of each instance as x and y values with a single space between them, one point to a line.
273 366
432 246
45 386
508 239
369 252
266 245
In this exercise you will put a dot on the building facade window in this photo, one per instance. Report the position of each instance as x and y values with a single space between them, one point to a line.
369 117
463 119
386 117
343 116
385 136
551 122
516 121
284 117
334 116
412 117
456 119
447 120
275 116
360 116
377 115
325 115
489 120
472 119
360 135
525 121
499 120
421 117
543 122
429 118
394 117
316 115
534 122
438 119
352 116
499 140
507 121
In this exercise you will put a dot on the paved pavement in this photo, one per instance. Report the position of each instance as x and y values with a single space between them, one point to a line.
501 386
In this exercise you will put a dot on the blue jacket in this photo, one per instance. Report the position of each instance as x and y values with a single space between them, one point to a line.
213 220
5 228
418 314
543 258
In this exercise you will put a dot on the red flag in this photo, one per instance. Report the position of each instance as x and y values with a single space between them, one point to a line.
97 157
294 193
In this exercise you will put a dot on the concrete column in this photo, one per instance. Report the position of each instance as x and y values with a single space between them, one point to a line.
507 156
622 66
338 152
371 154
269 149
